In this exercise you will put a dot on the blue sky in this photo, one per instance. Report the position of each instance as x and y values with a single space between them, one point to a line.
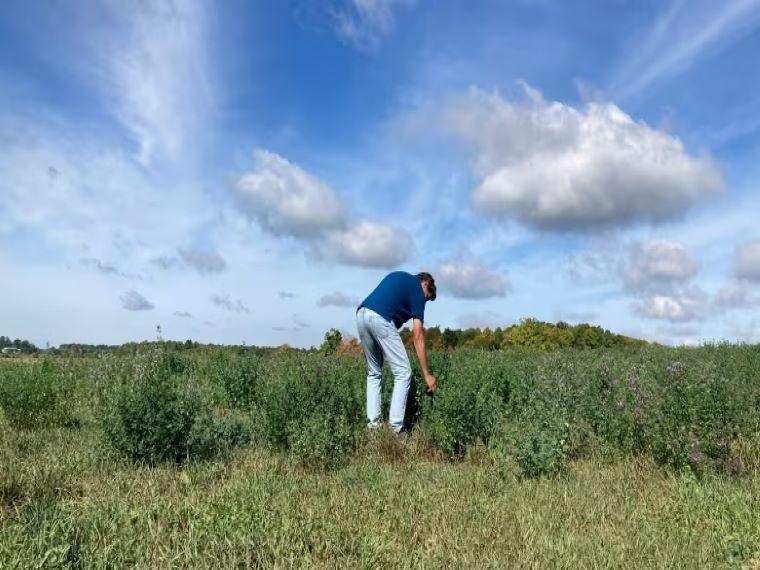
247 171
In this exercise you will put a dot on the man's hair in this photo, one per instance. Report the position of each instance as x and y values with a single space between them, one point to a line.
425 277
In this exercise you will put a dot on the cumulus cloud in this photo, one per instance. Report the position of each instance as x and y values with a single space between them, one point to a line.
365 23
134 301
286 200
747 264
183 314
661 274
204 262
658 265
367 244
736 295
337 300
286 295
679 307
470 281
560 168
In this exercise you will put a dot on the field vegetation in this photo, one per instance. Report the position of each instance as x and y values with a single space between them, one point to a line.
168 454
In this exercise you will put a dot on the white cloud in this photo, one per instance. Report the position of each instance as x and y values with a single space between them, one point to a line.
747 265
366 244
366 22
679 307
556 167
286 200
470 281
658 265
337 299
134 301
183 314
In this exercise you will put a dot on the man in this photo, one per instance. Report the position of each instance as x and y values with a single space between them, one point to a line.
399 297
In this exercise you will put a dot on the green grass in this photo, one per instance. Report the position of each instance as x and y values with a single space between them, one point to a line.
619 458
62 502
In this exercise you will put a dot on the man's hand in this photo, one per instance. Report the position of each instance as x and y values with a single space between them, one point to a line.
431 382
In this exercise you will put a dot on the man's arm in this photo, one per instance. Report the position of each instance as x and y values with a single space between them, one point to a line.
418 336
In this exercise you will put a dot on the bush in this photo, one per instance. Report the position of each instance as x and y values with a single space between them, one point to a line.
215 434
311 406
698 418
38 394
469 401
533 448
238 376
153 409
321 440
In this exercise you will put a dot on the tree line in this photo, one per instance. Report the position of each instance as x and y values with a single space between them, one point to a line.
23 345
530 333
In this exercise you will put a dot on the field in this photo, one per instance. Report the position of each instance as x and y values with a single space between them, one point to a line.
625 457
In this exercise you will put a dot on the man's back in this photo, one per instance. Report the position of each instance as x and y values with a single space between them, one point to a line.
397 298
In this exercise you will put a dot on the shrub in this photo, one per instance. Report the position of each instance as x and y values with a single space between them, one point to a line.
321 440
698 418
38 394
238 376
469 401
153 409
311 406
535 447
215 434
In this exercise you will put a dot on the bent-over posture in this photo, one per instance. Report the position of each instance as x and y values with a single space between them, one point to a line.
399 297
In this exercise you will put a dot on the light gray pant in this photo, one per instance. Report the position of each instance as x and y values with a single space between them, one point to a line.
381 341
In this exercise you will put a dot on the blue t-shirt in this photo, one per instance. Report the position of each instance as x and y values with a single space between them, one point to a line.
398 298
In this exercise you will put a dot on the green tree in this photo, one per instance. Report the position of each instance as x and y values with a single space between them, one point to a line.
332 340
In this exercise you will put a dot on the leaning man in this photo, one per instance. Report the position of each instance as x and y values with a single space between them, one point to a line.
400 296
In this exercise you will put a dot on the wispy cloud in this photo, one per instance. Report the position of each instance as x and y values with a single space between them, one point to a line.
365 23
685 32
337 299
156 72
228 304
107 269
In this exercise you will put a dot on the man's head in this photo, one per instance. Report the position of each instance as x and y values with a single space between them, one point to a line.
428 285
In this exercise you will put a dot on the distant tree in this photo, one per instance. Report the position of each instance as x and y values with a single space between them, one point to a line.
332 340
450 338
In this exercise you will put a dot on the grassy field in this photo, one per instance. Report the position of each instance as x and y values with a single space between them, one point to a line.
462 489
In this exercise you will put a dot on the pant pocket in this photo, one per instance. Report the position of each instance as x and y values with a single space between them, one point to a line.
380 327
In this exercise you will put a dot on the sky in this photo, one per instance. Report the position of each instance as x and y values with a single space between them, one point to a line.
247 171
